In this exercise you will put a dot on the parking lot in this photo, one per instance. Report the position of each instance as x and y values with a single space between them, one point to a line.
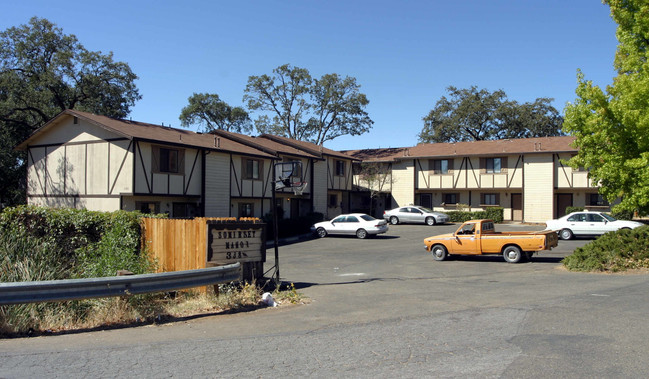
383 307
373 271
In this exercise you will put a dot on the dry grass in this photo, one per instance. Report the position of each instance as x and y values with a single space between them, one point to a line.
125 311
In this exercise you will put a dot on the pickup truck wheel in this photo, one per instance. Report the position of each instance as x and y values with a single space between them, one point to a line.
394 220
512 254
321 232
361 233
566 234
430 221
439 252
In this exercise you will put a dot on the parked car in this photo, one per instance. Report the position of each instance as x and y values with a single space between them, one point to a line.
476 237
587 223
415 214
358 224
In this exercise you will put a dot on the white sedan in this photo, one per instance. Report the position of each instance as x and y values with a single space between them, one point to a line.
588 224
358 224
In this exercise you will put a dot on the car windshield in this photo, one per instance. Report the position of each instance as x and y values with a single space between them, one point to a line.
367 218
608 217
426 210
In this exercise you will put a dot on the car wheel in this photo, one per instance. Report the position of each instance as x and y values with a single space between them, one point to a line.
321 232
394 220
430 221
512 254
439 252
361 233
566 234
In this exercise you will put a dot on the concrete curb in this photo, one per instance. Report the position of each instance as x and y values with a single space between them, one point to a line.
290 240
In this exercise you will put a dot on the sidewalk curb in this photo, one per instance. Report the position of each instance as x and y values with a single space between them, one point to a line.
289 240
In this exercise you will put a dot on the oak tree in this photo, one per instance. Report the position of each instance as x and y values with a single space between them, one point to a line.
209 111
295 105
43 72
471 114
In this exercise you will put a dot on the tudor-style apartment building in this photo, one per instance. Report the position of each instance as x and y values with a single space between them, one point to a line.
83 160
527 177
89 161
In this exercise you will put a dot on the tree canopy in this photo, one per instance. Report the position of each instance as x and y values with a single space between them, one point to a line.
612 126
297 106
471 114
42 73
213 113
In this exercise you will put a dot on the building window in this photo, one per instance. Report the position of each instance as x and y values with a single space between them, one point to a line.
493 165
147 207
595 199
185 210
246 210
168 161
441 166
340 168
333 201
449 198
490 199
252 169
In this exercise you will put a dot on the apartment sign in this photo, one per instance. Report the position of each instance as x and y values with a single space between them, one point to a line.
235 242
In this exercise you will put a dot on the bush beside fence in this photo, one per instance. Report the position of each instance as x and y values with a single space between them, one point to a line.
493 213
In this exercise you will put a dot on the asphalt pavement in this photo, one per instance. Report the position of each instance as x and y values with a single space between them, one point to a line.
382 307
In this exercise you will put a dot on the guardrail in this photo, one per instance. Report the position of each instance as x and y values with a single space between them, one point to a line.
73 289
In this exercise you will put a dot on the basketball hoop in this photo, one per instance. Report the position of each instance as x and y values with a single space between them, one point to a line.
299 187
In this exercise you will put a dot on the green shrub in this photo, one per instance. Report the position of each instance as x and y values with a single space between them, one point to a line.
614 251
118 248
622 214
573 209
493 213
48 244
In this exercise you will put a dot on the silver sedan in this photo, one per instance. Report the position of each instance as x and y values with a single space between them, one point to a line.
415 214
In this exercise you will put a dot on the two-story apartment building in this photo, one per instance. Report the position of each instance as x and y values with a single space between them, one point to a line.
331 176
88 161
527 177
83 160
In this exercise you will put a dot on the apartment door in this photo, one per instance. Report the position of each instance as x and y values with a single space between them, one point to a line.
517 207
564 200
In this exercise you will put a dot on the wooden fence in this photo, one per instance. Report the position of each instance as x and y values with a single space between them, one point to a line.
179 244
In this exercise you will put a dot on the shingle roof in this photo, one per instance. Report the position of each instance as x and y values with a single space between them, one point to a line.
472 148
377 155
496 147
309 147
155 133
265 144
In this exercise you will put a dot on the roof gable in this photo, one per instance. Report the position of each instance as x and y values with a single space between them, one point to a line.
152 133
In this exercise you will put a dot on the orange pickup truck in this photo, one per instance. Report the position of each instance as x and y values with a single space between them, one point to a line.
477 237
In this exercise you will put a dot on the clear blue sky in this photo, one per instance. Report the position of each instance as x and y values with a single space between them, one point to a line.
404 54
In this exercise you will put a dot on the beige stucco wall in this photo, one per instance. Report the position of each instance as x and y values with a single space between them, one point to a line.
538 195
339 182
466 174
403 186
75 165
146 181
250 188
